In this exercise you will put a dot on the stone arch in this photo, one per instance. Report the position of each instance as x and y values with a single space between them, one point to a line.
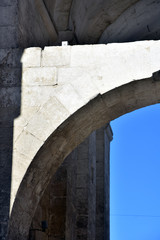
71 128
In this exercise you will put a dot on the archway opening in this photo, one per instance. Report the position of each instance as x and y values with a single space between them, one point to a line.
135 164
93 115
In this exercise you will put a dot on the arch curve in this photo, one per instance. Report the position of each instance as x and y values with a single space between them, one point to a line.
74 127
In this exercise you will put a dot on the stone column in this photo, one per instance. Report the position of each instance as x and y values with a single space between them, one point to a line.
72 218
81 194
103 139
89 188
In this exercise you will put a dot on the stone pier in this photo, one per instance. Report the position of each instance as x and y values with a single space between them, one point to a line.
76 202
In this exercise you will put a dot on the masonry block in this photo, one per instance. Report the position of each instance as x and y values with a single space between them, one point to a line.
31 57
8 37
39 76
56 56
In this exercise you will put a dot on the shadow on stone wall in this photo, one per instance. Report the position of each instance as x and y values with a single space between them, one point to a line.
10 102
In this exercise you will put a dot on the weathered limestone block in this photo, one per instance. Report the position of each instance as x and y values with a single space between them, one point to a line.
50 114
39 76
27 144
77 79
36 96
56 57
31 57
70 93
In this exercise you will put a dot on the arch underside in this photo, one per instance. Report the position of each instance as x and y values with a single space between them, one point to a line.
100 110
49 22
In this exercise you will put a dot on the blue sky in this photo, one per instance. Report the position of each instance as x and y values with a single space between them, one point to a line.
135 175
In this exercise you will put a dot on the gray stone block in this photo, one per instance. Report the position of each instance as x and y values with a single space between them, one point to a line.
8 37
7 115
8 15
10 77
5 3
10 97
82 222
3 230
11 57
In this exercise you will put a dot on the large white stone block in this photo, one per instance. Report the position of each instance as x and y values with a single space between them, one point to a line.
40 76
65 94
50 116
31 57
36 96
56 56
81 79
27 144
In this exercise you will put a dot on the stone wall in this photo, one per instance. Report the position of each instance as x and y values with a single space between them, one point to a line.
136 23
81 203
86 72
52 209
10 101
76 202
49 22
8 24
101 84
34 24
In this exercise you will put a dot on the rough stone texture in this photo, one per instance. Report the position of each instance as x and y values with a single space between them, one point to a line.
74 202
136 23
103 136
98 84
40 76
79 93
52 208
31 57
49 22
58 58
32 26
94 18
59 12
46 22
8 24
10 100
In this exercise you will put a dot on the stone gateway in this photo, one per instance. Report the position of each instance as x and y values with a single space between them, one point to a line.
56 103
